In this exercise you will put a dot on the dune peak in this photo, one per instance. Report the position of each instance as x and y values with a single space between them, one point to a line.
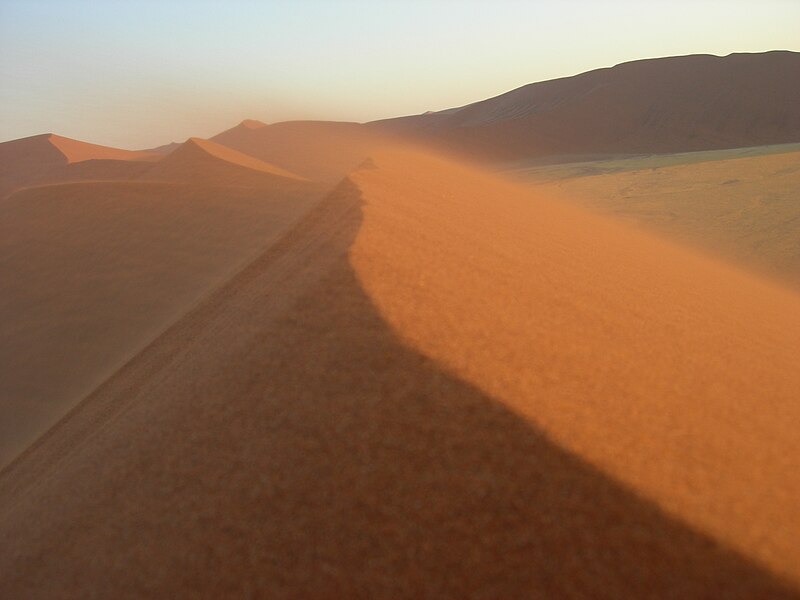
367 163
252 124
210 161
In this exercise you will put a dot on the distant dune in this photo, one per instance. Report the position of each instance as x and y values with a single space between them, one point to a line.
665 105
318 150
164 149
435 385
91 272
76 151
99 169
674 104
45 158
203 161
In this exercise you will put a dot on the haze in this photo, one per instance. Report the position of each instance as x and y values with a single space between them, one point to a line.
113 73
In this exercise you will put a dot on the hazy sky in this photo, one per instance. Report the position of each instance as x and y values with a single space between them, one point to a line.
142 73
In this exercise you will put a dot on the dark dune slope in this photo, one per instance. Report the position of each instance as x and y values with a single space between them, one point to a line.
674 104
92 271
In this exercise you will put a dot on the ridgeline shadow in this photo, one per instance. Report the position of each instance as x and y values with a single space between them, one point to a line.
323 458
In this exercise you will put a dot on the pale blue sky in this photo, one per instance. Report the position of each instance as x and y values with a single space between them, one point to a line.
142 73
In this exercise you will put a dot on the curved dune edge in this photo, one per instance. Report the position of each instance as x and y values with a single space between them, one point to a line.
237 158
280 439
204 161
670 372
76 151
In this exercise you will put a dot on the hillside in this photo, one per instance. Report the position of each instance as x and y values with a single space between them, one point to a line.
461 389
47 158
203 161
92 272
674 104
318 150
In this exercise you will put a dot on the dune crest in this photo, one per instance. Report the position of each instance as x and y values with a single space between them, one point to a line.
48 157
77 151
198 160
404 396
252 124
669 371
319 150
671 104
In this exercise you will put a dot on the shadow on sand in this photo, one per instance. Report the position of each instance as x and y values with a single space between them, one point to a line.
321 457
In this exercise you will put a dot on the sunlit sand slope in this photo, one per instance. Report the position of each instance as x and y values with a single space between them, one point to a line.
435 385
671 372
47 157
747 210
203 161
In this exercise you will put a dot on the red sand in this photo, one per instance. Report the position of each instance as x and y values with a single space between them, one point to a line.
93 271
203 161
76 151
436 385
47 158
318 150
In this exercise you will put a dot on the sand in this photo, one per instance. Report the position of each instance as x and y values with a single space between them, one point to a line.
673 104
202 161
77 151
49 158
318 150
92 272
435 385
744 210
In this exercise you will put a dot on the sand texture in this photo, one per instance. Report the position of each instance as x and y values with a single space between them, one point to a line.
435 385
92 271
745 210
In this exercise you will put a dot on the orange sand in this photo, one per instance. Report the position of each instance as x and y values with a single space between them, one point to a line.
745 210
318 150
92 272
48 158
672 104
436 385
203 161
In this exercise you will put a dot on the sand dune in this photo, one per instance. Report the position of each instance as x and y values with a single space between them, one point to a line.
318 150
77 151
203 161
435 385
665 105
91 272
165 148
746 210
100 169
53 159
673 104
44 158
